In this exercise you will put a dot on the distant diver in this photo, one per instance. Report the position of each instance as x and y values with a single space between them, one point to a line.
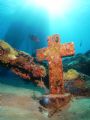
34 38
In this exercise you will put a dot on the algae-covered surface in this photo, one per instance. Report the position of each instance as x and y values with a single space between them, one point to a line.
17 103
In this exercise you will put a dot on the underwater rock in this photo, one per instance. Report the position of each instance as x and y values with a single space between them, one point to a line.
80 62
79 86
71 74
24 66
20 62
7 52
77 74
88 53
6 46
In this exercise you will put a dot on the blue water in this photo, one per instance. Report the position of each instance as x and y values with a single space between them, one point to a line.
19 19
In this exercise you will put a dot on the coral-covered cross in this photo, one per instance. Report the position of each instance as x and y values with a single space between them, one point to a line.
53 54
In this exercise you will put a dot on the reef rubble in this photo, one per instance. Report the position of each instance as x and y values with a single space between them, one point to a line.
79 62
76 69
77 74
20 62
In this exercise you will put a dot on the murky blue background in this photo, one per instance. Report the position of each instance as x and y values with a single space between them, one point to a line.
21 18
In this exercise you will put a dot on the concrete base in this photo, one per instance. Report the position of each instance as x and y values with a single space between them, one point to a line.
57 95
57 101
54 103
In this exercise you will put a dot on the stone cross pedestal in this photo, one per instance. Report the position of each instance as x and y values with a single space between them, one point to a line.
53 54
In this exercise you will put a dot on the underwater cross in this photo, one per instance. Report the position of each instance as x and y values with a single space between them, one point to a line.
53 54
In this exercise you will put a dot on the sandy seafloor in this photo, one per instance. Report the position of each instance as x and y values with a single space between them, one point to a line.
16 103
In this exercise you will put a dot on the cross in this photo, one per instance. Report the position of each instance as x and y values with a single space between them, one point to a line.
53 54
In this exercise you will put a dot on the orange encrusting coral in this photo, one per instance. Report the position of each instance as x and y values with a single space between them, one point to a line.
20 62
53 54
